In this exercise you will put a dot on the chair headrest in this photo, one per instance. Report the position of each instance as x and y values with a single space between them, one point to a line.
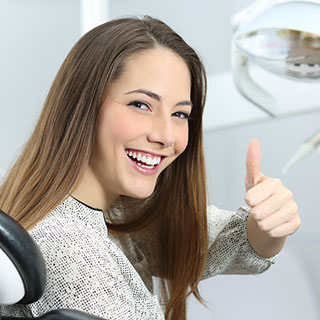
22 250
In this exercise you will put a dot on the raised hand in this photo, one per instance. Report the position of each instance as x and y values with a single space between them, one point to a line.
272 205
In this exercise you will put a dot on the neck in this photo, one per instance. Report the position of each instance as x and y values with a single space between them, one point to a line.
90 192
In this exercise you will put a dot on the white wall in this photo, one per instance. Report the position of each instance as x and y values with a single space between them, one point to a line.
35 36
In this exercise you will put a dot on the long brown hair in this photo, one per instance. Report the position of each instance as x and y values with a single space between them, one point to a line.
64 138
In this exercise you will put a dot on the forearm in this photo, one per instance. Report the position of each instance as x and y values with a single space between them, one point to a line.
261 242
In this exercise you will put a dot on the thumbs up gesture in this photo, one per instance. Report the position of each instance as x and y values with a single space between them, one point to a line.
273 209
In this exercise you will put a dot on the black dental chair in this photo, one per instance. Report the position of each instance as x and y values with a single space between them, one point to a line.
23 273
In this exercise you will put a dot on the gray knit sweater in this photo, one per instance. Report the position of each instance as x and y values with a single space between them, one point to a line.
93 271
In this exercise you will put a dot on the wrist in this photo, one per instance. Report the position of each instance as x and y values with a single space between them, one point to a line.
261 241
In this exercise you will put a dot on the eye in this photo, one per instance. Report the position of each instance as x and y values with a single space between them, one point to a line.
140 105
182 115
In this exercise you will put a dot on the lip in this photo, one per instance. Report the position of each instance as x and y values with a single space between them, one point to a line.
145 171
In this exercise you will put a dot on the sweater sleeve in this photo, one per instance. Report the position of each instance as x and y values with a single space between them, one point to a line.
229 249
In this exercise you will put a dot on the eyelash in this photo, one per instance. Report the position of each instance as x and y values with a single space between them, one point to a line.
137 103
183 114
179 114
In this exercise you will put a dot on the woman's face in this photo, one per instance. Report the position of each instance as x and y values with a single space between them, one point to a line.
142 124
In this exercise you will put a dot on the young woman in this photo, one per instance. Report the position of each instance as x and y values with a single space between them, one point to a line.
111 184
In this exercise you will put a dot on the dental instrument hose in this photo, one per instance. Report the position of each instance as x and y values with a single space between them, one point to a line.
304 150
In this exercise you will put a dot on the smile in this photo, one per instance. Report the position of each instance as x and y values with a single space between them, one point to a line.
145 163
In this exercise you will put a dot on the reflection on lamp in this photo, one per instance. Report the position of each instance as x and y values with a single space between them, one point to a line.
273 36
290 53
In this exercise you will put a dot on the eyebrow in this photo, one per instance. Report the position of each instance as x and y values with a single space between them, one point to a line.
158 98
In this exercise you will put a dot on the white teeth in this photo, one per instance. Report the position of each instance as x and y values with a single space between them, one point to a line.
145 166
142 158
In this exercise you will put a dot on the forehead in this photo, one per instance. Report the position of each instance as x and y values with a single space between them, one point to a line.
154 69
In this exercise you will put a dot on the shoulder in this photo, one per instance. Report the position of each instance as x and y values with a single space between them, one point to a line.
74 242
70 217
69 228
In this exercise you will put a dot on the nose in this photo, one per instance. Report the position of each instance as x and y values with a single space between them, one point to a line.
161 132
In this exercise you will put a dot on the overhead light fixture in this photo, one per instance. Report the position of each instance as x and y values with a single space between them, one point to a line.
279 36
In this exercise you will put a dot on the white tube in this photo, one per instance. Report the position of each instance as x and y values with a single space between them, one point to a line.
315 139
303 151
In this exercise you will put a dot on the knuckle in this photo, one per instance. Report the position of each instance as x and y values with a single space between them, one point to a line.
249 199
254 213
272 234
295 226
263 226
277 181
298 222
289 194
295 207
293 210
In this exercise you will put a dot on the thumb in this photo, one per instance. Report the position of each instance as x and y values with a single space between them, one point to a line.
253 161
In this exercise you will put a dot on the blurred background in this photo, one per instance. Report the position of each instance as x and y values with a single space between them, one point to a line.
36 35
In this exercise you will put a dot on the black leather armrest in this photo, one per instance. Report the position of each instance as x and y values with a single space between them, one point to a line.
67 314
62 314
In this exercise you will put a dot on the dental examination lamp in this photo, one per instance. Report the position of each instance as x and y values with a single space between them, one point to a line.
279 36
283 38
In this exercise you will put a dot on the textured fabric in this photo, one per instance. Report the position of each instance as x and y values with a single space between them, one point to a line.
94 272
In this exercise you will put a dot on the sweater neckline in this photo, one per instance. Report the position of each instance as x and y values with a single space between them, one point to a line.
86 205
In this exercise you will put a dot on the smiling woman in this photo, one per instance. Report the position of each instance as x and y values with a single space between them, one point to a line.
152 125
111 184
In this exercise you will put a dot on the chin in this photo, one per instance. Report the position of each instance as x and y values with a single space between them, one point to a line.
141 194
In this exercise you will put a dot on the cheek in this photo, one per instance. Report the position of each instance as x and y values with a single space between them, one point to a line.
117 127
123 130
